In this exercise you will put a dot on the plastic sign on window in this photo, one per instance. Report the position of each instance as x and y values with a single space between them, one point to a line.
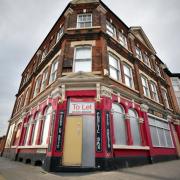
81 107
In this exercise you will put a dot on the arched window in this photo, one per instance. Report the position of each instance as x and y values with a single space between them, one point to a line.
119 124
35 128
134 123
46 124
27 131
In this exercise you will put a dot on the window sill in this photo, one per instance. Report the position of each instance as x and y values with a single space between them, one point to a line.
153 100
33 147
163 147
115 146
93 27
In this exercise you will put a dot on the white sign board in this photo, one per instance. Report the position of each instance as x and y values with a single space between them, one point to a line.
81 108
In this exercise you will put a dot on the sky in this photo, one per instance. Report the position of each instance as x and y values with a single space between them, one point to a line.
24 25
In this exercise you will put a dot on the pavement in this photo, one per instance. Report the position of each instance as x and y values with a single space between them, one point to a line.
11 170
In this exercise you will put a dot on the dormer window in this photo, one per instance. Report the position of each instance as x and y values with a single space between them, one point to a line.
110 29
123 40
138 53
60 33
84 20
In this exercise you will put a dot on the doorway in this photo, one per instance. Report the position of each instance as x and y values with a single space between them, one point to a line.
79 141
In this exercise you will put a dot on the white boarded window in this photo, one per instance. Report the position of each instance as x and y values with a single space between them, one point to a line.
114 69
110 29
128 76
46 124
83 59
119 124
160 133
84 20
134 123
145 86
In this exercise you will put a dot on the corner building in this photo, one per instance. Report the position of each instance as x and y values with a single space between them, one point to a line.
94 96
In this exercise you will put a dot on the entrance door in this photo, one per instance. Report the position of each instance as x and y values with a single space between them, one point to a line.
72 155
79 142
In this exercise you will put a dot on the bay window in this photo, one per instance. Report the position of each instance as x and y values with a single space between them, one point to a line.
154 91
119 124
114 69
145 86
160 132
54 69
134 123
128 76
110 29
84 20
83 59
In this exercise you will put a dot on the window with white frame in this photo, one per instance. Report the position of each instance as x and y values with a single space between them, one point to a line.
27 131
44 80
114 69
128 76
134 123
46 124
60 33
123 40
165 97
110 29
54 69
83 59
84 20
154 91
37 86
138 53
146 60
119 124
145 86
44 53
160 132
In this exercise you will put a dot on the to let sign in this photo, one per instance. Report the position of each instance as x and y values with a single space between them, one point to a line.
81 108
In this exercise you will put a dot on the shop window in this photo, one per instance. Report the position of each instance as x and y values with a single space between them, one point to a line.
83 59
54 69
134 123
160 133
84 20
128 76
119 124
60 34
114 69
46 124
37 86
44 80
123 40
154 91
138 53
110 29
145 86
165 97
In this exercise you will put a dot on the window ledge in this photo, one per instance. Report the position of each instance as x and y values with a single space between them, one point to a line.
93 27
33 147
163 147
115 146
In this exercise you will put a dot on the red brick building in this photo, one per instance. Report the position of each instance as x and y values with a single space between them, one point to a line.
95 95
2 144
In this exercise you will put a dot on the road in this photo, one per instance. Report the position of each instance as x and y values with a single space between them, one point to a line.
11 170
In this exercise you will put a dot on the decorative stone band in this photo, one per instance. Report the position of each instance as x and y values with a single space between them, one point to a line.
63 96
98 92
169 118
106 92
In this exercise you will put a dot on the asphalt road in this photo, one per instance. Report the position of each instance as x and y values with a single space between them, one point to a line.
11 170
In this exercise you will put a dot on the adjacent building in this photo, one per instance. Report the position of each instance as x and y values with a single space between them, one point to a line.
95 95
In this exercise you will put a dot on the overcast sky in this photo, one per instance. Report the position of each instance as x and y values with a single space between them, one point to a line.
24 25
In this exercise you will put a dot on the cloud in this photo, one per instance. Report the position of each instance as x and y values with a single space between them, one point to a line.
24 25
